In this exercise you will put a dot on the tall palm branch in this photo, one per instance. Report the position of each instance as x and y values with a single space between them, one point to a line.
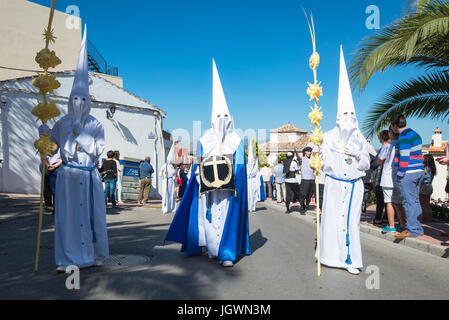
424 97
420 38
406 41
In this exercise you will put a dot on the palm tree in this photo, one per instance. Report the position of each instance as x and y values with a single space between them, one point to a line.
420 38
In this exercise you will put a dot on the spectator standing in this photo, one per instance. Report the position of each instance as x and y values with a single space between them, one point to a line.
48 200
398 204
146 173
390 193
378 167
178 181
267 173
408 160
321 179
109 170
445 162
426 189
307 179
279 179
52 164
291 169
184 180
119 177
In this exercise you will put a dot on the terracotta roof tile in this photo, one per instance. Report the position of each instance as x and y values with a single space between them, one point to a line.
289 128
433 149
301 143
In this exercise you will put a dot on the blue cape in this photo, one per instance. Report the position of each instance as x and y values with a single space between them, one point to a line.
262 190
235 239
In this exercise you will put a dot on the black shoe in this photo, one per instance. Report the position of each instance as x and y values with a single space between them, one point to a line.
288 211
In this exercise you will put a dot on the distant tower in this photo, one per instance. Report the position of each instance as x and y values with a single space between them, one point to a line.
437 138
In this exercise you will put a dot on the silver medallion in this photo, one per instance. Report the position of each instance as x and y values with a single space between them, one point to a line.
349 161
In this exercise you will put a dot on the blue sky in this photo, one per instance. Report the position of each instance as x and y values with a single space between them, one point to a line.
164 52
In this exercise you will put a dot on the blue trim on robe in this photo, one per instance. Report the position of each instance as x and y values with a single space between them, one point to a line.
235 238
263 197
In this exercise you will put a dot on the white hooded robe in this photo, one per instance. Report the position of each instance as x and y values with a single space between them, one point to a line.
340 222
253 180
220 140
80 210
168 173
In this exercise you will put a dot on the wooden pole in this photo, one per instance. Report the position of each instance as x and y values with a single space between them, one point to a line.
41 211
49 38
315 91
318 216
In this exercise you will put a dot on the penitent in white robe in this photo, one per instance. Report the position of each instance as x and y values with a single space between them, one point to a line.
211 232
337 196
74 243
253 188
169 198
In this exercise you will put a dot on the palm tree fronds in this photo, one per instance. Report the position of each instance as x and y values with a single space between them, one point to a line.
408 39
426 96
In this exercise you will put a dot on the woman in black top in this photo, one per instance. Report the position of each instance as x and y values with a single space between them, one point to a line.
109 171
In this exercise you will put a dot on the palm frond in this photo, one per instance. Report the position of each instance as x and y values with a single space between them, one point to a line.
412 39
416 5
424 97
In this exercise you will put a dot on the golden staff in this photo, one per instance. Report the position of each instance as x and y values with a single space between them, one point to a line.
45 110
315 91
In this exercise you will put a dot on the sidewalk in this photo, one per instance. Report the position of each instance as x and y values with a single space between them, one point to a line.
431 242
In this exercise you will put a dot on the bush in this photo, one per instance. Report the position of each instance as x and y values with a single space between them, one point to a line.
440 212
372 197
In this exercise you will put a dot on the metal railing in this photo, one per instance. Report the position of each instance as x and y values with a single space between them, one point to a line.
97 63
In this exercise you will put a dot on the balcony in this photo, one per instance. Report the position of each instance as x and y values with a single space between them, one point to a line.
97 63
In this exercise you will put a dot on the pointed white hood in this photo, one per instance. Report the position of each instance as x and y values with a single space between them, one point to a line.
80 101
168 168
221 118
346 117
171 154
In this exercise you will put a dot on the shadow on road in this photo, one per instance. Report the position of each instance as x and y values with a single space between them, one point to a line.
170 274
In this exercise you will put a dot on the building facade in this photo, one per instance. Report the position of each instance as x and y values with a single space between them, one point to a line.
132 126
283 140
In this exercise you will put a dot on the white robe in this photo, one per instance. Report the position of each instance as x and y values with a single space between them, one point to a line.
210 233
253 188
73 233
169 198
337 194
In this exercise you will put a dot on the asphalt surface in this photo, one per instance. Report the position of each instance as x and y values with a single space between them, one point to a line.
282 265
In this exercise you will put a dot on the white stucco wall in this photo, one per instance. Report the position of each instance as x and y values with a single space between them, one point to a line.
21 26
439 182
128 131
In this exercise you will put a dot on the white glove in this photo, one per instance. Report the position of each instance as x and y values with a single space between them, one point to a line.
44 130
77 127
354 151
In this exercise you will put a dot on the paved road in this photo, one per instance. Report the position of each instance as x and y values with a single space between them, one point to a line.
281 267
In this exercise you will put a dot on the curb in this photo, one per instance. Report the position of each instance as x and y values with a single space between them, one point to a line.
421 245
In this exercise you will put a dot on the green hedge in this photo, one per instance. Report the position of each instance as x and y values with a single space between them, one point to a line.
439 212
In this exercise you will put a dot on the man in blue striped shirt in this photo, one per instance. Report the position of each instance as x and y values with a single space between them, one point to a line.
410 172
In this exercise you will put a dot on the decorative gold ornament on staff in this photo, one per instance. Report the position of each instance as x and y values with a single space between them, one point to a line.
45 110
315 91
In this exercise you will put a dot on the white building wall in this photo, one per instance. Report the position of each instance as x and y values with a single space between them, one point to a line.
134 133
439 182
